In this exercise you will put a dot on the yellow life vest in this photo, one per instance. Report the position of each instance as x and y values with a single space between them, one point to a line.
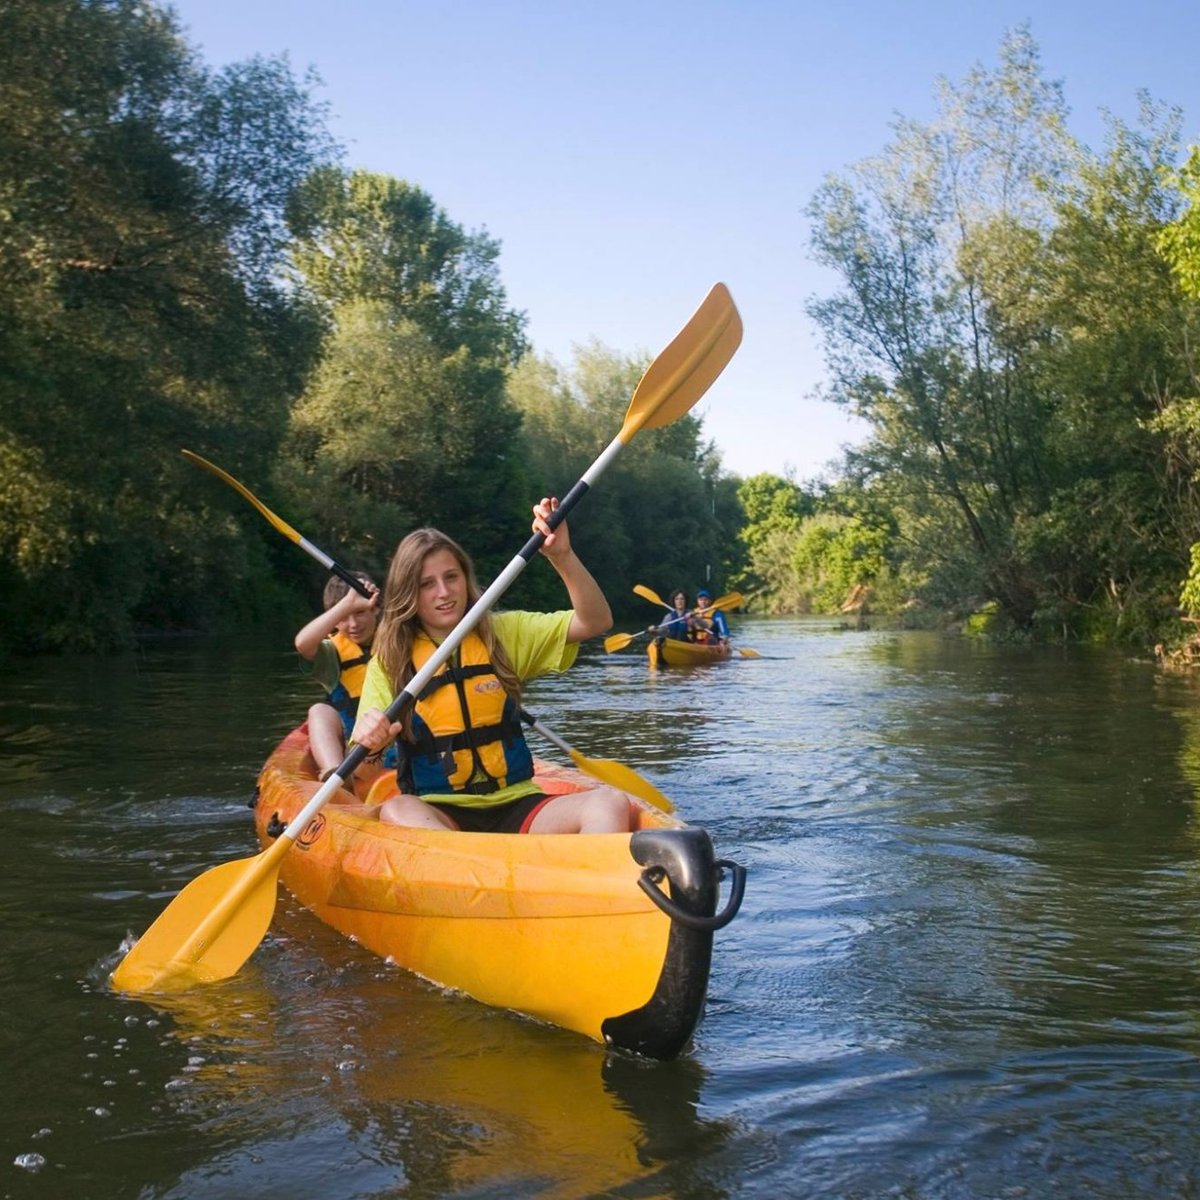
352 670
466 729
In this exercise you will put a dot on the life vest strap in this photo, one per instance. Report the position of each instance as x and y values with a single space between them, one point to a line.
431 747
454 674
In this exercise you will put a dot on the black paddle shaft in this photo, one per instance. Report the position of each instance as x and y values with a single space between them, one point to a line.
555 519
352 579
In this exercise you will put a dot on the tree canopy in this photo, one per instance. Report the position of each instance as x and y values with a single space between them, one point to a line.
185 262
1010 332
143 203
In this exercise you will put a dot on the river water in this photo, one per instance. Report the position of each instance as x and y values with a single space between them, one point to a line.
966 965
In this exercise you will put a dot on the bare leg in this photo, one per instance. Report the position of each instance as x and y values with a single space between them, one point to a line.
598 810
325 738
412 811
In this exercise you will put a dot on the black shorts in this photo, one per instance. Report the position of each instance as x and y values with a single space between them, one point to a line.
514 817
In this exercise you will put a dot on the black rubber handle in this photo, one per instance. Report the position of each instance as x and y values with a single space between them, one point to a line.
652 876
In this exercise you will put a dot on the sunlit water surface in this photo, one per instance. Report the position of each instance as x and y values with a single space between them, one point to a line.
965 965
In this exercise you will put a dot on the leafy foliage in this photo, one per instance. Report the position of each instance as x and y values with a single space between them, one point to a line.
405 421
185 262
142 201
774 509
389 435
1010 333
661 517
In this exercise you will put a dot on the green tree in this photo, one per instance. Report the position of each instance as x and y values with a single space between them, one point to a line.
360 235
773 509
406 420
129 326
1009 332
1117 526
390 435
835 555
1179 417
955 427
1179 239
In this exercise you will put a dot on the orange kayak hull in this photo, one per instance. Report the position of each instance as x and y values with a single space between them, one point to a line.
562 928
673 653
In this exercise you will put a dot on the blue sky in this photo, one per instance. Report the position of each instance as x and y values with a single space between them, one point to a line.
627 154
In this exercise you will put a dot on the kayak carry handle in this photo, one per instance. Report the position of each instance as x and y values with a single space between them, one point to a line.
651 877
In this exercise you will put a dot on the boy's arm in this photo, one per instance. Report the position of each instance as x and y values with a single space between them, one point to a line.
309 639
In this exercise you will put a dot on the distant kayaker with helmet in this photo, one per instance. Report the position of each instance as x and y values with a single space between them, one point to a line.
464 762
708 623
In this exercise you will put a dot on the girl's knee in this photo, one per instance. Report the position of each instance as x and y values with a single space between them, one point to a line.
393 810
622 815
608 812
412 811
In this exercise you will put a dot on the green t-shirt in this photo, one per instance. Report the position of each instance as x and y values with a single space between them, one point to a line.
325 667
536 644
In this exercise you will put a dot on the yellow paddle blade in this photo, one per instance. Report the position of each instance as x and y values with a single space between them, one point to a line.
640 589
623 778
618 641
278 522
731 600
209 930
685 370
746 652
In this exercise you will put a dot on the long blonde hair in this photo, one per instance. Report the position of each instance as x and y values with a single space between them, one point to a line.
399 624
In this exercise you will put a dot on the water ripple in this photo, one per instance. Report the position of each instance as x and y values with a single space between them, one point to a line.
966 965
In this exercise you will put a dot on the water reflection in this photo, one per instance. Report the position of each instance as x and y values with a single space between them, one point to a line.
332 1067
1040 883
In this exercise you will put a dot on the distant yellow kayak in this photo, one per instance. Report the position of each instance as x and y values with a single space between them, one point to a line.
606 934
671 652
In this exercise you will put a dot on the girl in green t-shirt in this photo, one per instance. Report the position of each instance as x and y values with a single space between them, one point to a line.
464 763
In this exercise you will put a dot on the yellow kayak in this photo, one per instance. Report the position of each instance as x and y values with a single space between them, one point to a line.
671 652
606 934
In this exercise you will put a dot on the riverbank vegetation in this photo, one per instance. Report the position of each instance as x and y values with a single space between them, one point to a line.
1016 323
186 262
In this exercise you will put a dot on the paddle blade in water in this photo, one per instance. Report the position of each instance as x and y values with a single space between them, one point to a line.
746 652
686 369
624 778
209 930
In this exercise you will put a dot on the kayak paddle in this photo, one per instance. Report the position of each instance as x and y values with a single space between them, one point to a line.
211 927
623 778
280 524
729 600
